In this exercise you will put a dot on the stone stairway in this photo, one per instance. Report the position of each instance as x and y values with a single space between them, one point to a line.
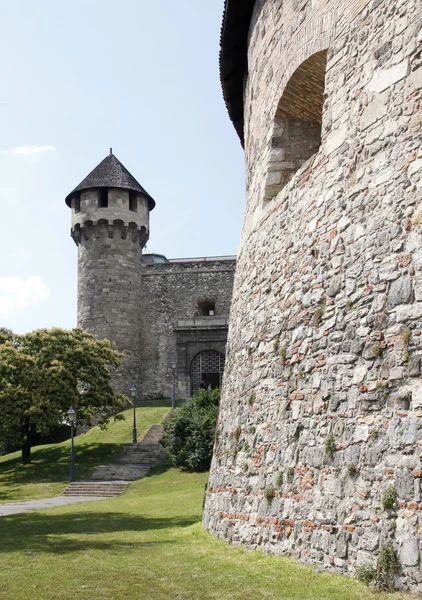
133 464
105 489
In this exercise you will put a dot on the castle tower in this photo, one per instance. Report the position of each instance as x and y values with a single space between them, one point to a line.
110 226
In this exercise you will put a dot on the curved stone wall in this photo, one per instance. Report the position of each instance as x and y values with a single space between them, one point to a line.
321 412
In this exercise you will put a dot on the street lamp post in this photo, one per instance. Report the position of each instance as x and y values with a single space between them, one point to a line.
71 413
133 393
173 389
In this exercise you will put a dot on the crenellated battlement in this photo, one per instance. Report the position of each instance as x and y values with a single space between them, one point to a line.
117 230
122 212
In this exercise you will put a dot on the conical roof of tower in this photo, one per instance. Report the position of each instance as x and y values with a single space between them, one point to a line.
111 173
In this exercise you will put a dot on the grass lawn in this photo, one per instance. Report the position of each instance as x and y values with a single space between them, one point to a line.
146 544
48 474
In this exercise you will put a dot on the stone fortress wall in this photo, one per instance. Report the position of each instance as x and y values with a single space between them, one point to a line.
321 412
171 324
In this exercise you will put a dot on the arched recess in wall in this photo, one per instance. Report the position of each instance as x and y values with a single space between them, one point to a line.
296 134
207 368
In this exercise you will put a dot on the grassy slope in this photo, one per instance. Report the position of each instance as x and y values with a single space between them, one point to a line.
48 473
145 544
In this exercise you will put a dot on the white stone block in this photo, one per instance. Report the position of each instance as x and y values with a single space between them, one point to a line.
414 167
385 78
408 311
374 111
312 225
295 409
336 139
359 374
361 433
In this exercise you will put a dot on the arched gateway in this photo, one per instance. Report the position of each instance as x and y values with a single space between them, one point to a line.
207 367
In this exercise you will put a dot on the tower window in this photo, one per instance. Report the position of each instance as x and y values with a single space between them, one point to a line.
76 202
206 308
103 198
133 201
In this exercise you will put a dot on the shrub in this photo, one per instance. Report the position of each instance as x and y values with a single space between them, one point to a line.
384 575
290 474
269 494
376 349
352 469
389 498
366 574
388 568
280 480
236 433
189 431
406 335
330 445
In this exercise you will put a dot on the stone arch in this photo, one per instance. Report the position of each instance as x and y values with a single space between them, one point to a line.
296 133
207 367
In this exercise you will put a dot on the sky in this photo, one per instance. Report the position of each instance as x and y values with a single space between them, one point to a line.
77 78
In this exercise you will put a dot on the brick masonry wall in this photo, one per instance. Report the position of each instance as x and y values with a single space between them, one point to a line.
169 295
323 373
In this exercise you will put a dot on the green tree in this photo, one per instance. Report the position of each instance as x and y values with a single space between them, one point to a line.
45 372
189 431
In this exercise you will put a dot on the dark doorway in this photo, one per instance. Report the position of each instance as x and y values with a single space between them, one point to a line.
212 379
207 368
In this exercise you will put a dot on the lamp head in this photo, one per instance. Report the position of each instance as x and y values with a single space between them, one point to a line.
133 391
174 364
71 415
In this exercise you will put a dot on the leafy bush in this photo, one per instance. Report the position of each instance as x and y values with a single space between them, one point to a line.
352 469
388 568
366 574
389 498
330 445
189 431
269 494
384 575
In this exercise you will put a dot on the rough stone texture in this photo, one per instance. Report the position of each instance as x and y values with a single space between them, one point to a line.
171 324
326 320
110 242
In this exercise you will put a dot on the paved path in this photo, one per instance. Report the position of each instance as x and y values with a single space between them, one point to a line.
13 508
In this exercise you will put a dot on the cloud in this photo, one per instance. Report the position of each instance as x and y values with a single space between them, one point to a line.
20 253
28 149
17 293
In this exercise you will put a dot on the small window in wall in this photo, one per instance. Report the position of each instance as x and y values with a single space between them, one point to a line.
297 125
103 198
206 308
133 201
76 201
